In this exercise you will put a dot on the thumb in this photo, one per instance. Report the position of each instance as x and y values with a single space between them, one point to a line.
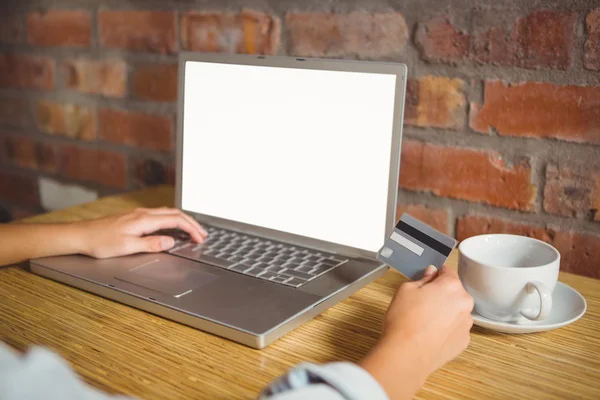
430 274
149 244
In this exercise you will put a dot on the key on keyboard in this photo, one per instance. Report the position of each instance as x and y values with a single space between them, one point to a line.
261 258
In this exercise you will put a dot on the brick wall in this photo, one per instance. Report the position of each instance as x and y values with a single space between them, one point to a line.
502 129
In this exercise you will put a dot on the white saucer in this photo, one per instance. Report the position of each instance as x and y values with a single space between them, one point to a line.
567 307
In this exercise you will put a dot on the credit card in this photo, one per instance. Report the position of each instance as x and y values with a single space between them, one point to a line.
413 246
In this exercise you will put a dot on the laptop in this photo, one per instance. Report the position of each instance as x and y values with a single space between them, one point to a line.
291 165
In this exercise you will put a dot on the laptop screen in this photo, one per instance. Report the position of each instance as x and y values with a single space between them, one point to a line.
301 151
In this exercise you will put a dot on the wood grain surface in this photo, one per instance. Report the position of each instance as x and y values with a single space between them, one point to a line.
123 350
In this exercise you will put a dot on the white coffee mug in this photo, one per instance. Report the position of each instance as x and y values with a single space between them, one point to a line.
509 276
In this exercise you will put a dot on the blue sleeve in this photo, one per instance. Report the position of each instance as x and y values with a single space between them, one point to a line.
55 380
42 374
335 381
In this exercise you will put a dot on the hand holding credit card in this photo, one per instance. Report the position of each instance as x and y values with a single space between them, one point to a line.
413 246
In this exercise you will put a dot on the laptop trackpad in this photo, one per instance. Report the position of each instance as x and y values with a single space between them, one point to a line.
167 278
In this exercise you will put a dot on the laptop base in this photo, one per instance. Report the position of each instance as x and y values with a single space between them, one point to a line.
151 305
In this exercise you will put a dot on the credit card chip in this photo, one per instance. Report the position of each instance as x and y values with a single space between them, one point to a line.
386 252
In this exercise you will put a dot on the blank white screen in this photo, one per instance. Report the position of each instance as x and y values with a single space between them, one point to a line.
301 151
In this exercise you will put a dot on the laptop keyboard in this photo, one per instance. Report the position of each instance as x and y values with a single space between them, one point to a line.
252 256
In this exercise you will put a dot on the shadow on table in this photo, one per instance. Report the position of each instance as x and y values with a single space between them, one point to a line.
486 332
23 265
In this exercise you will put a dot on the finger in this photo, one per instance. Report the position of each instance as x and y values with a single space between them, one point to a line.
451 285
446 275
151 223
148 244
191 220
430 274
446 271
430 271
174 211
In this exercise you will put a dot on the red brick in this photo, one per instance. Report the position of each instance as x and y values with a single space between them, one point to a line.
591 59
472 225
156 82
153 132
572 191
249 32
434 217
439 41
494 46
595 209
584 258
150 31
92 165
467 174
69 120
12 28
59 28
578 250
358 33
151 172
543 39
26 72
19 189
435 101
25 152
105 77
14 111
539 109
546 39
411 162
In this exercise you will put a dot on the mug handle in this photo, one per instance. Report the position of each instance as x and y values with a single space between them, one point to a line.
545 300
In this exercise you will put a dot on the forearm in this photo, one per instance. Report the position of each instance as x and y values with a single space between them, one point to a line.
20 242
397 366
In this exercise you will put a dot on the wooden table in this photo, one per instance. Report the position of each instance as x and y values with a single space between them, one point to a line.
123 350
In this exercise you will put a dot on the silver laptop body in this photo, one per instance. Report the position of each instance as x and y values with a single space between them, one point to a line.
292 165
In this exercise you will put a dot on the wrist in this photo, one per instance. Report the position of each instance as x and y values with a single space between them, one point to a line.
398 365
76 238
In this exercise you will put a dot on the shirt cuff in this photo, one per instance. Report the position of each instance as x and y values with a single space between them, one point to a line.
349 380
